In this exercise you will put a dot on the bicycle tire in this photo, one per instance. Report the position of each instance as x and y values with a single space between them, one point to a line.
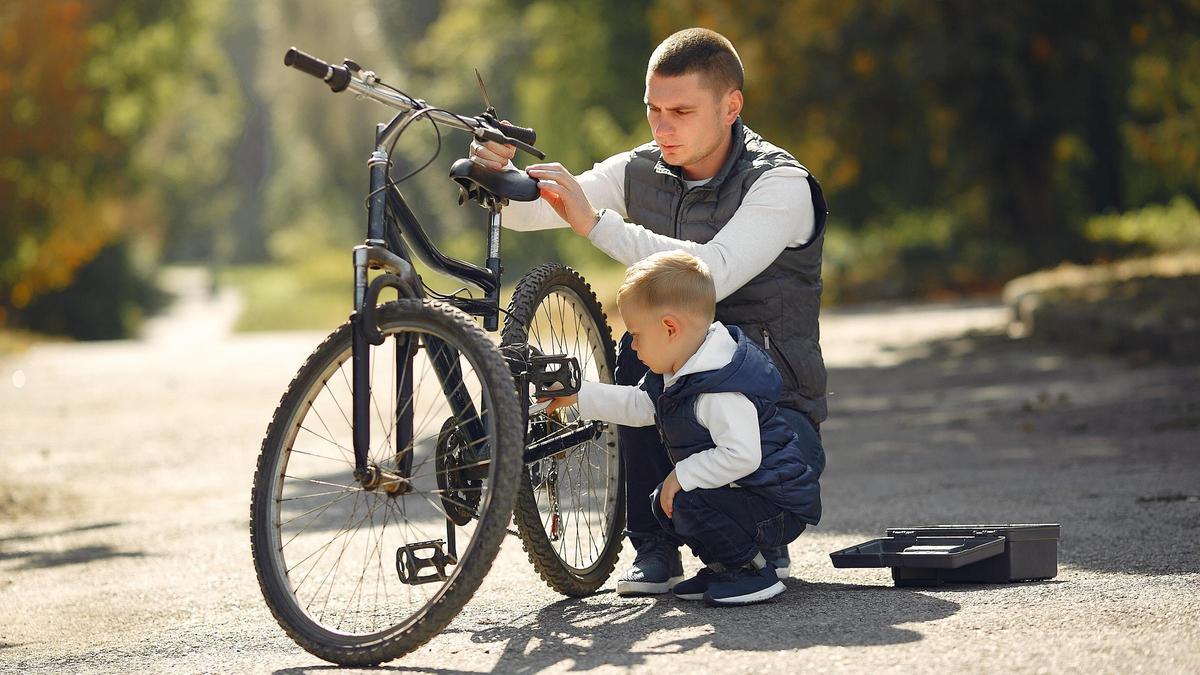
493 509
541 298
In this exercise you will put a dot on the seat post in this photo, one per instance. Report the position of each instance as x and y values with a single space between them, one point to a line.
491 321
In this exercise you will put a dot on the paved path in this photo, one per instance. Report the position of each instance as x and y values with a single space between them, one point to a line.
125 471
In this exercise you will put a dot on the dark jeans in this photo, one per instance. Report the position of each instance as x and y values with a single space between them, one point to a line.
726 525
646 460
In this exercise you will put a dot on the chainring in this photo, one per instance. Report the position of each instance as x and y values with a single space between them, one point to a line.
459 494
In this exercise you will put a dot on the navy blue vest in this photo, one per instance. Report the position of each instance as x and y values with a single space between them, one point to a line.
783 477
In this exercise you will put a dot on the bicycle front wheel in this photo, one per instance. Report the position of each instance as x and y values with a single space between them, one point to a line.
358 576
570 510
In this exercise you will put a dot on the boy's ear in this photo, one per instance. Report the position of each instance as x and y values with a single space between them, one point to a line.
671 325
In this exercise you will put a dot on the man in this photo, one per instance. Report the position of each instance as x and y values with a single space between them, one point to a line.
710 186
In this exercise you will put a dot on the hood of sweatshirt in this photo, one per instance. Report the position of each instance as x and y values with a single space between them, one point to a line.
726 361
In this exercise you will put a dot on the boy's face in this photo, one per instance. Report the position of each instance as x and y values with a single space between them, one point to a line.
690 121
657 338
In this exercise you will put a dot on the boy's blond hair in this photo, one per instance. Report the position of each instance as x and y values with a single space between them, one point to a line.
671 281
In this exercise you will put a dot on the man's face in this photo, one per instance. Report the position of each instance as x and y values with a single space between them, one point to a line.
690 121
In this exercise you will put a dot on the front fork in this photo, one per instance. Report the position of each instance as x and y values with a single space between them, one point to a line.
373 254
446 365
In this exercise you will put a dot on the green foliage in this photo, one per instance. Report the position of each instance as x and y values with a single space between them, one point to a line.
958 143
1156 228
108 142
108 299
1038 113
318 181
314 293
1163 129
916 254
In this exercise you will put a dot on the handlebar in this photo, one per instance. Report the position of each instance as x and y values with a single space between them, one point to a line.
523 134
366 84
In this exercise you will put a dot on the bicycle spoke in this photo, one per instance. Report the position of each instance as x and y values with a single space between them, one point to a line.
323 510
313 454
322 507
344 527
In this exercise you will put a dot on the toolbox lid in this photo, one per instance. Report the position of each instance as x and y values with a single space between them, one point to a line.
904 550
1010 531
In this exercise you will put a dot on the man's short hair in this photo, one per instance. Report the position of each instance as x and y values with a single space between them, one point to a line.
699 50
673 281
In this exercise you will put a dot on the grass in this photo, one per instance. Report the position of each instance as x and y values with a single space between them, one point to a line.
317 293
313 294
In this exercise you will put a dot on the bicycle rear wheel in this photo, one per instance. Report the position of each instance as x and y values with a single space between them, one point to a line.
570 509
358 576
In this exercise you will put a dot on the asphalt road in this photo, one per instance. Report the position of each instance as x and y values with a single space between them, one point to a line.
125 471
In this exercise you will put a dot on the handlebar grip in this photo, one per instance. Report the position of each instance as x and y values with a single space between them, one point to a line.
337 77
524 134
490 134
307 64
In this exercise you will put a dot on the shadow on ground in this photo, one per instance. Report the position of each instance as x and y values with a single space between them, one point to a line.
989 429
35 558
606 630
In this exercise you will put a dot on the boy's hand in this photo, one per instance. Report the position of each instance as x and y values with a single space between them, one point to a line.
560 402
666 496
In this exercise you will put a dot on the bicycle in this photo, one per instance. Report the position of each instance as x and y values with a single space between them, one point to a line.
457 409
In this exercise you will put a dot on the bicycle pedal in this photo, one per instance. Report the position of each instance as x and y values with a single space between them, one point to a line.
554 375
556 527
409 565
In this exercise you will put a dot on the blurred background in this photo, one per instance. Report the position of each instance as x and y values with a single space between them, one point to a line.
960 144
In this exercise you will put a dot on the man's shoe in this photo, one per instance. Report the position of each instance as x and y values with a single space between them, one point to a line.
694 587
778 557
656 568
744 585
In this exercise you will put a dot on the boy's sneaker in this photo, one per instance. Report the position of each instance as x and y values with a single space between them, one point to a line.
695 587
744 586
656 568
778 557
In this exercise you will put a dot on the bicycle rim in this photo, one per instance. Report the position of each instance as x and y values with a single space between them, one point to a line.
342 566
578 494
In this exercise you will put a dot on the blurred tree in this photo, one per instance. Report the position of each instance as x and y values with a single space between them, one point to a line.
1163 129
1005 120
59 204
959 143
572 71
250 157
113 130
318 183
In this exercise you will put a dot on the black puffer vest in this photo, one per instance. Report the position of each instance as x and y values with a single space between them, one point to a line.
779 308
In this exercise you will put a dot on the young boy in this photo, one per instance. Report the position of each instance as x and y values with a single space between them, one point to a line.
740 481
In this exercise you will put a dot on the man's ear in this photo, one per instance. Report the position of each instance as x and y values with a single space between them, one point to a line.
733 105
671 324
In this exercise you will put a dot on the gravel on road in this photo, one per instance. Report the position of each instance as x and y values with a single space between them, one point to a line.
125 472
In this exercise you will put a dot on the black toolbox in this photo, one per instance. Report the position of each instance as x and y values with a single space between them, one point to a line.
973 554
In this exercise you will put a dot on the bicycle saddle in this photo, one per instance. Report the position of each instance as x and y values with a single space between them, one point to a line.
509 184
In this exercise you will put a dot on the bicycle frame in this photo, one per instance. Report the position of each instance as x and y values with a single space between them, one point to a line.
391 227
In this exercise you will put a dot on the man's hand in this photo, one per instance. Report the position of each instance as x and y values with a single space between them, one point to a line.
492 155
666 496
560 189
